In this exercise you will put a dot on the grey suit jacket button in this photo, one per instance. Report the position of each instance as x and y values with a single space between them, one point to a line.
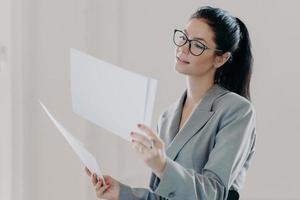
171 194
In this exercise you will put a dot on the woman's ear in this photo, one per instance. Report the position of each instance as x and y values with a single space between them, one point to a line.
222 59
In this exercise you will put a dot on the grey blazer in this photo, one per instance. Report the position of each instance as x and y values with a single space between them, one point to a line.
209 155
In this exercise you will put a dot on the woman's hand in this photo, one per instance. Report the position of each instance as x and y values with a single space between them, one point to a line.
151 149
110 191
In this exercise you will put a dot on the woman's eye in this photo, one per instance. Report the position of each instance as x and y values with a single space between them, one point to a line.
199 46
182 38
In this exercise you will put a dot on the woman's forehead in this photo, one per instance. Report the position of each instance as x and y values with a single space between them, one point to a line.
198 28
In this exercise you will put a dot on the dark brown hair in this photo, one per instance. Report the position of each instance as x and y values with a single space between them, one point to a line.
230 35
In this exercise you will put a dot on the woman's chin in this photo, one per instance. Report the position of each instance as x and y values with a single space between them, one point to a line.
181 69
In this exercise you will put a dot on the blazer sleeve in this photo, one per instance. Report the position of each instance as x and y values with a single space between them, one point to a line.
127 192
234 144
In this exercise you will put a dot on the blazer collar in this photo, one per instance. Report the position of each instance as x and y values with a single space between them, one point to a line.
202 112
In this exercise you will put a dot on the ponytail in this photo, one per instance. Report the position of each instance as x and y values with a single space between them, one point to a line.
235 74
231 35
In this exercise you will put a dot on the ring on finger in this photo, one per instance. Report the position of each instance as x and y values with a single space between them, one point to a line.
151 144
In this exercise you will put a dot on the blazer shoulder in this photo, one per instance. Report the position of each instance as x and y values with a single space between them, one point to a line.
232 102
231 108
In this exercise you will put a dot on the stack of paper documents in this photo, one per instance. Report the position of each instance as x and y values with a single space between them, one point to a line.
109 96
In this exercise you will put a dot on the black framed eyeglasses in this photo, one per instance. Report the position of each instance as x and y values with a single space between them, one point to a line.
196 47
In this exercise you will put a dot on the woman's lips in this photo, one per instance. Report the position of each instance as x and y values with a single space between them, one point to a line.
181 61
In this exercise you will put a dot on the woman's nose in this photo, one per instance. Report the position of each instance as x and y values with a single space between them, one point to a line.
184 49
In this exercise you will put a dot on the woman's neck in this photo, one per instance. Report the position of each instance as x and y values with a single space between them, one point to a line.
196 89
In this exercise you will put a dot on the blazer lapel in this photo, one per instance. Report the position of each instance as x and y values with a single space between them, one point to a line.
171 122
175 139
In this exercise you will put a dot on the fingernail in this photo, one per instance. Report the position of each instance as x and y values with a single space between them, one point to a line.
132 140
131 133
139 125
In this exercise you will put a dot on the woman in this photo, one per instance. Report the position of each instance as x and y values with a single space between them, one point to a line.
206 139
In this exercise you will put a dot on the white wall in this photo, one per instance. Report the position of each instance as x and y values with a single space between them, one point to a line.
138 36
5 101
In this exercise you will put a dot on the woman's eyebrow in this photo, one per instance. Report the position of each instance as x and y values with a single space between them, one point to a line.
197 38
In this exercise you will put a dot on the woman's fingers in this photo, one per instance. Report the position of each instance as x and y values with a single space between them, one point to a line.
94 179
139 146
140 138
157 142
100 191
87 171
147 130
100 188
98 185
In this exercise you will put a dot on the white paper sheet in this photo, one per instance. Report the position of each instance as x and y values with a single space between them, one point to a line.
85 156
109 96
